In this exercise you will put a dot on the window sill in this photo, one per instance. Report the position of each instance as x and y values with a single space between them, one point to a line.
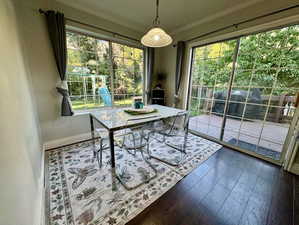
87 111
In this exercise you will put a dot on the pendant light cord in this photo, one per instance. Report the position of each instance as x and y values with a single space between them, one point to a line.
157 20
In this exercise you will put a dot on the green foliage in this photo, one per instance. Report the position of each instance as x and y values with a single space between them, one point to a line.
89 61
269 59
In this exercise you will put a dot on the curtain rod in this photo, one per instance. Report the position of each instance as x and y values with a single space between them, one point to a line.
95 27
242 22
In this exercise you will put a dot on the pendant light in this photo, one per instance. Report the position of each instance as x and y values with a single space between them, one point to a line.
156 37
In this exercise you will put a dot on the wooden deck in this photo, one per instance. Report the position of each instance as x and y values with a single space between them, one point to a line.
273 134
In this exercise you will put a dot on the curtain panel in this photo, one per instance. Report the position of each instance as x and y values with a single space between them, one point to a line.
149 62
181 46
56 28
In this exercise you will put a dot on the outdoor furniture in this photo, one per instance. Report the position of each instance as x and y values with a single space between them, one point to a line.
116 119
105 96
237 103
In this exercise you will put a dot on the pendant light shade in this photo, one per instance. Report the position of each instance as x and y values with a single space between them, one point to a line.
156 37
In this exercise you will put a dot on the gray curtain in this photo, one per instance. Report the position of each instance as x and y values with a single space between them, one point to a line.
56 28
149 61
181 45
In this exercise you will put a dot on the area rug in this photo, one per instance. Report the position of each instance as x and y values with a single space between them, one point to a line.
81 193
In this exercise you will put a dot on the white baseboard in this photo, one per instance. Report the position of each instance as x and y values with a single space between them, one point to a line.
66 141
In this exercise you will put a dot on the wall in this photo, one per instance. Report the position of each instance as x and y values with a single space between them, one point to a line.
43 70
21 148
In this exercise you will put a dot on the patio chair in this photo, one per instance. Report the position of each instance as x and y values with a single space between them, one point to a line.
172 127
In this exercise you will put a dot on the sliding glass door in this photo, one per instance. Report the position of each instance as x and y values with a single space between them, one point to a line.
210 75
244 91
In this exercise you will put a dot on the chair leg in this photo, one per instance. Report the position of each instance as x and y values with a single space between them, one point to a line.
99 163
148 143
101 152
147 149
94 155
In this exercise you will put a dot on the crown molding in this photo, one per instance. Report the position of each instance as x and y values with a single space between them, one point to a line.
214 17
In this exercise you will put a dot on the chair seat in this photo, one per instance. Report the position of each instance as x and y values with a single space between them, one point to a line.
101 132
166 129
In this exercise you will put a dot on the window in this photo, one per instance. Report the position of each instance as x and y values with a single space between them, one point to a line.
102 73
243 91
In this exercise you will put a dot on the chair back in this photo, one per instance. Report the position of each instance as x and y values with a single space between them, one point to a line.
176 123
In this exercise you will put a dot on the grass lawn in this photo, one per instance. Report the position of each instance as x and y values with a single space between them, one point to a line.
79 104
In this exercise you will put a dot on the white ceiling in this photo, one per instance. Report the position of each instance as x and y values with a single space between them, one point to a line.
175 15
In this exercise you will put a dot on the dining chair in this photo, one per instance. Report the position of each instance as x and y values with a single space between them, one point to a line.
176 126
136 140
102 135
133 140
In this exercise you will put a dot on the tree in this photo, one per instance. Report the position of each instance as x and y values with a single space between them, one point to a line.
268 61
271 58
90 57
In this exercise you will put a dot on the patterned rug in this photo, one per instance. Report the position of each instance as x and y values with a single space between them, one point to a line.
79 193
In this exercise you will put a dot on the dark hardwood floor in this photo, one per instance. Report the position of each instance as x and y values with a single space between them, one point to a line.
230 188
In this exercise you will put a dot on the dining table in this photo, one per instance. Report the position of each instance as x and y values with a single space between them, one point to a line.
116 118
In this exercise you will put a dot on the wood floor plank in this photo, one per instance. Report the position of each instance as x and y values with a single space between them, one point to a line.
281 209
230 188
296 199
235 205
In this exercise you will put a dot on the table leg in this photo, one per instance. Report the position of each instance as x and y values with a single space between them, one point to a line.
112 158
111 142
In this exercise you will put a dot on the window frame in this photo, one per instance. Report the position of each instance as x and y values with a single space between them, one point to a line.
110 41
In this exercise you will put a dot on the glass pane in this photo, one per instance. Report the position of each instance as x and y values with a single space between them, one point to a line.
211 70
72 40
92 75
138 54
78 102
264 77
263 92
74 58
76 87
86 43
118 50
102 49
